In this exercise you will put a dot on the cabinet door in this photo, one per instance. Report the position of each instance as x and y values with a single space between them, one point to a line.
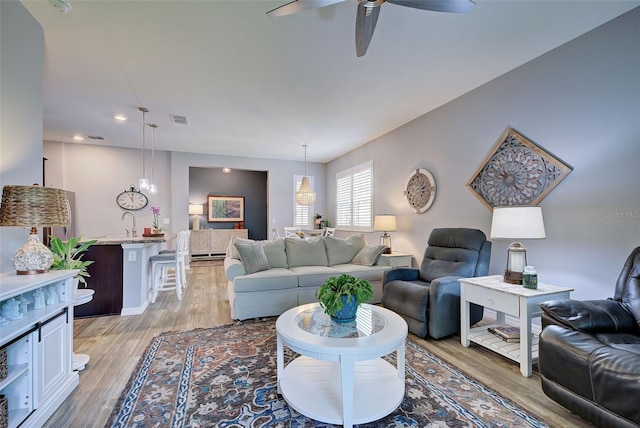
199 242
54 356
219 240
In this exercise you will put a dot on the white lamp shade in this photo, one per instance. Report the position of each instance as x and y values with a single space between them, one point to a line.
196 209
517 223
385 222
305 195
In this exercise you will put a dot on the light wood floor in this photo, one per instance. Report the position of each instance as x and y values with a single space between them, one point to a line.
116 343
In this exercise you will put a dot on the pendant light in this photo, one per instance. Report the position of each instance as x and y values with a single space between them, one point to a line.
144 182
305 195
153 189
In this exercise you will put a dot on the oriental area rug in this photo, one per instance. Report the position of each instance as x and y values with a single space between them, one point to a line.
226 377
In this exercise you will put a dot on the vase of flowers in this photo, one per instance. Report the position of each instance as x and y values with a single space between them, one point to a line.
156 229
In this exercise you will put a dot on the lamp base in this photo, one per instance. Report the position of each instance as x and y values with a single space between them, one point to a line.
512 277
385 239
196 223
33 258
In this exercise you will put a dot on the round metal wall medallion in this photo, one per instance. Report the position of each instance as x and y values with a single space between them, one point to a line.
420 190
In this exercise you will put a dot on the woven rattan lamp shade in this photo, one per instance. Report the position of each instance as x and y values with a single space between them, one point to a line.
30 206
33 206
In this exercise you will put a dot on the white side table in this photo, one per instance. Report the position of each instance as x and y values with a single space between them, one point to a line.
398 259
512 299
82 296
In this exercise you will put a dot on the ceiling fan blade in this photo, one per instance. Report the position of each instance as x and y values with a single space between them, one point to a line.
300 6
366 19
455 6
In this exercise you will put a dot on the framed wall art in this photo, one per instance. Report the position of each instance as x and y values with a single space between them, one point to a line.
516 172
225 208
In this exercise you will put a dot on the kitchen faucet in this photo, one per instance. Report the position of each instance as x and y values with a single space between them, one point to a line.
133 219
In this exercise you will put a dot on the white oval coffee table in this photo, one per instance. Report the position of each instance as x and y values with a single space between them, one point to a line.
339 377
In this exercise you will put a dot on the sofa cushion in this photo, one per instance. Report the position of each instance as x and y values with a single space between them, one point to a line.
369 255
272 279
370 273
303 252
313 276
252 257
274 250
341 251
232 252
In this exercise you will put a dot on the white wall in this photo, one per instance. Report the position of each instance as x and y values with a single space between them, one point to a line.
581 102
21 69
97 174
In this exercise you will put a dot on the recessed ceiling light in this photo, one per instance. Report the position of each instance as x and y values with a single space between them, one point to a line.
78 137
226 170
120 117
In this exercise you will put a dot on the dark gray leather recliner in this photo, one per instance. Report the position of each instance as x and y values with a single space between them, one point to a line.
589 352
429 298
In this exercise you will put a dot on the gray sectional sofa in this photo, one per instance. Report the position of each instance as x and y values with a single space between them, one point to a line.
266 278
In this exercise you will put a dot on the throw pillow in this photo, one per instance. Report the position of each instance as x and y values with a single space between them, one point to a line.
231 249
369 255
303 252
274 250
252 257
340 251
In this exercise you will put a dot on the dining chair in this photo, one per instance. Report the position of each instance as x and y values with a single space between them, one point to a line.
329 231
276 235
291 232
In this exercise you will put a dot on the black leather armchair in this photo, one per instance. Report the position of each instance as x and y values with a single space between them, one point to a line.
589 352
429 298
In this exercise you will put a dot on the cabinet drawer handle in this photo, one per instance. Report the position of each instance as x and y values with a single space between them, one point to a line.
490 301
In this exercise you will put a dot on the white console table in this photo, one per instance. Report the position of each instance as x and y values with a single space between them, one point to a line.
209 242
39 349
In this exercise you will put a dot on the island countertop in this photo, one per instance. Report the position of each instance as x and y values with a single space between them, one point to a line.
122 239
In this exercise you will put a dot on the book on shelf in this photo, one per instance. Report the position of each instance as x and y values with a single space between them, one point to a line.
506 333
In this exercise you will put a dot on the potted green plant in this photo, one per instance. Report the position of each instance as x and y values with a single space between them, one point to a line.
67 255
341 295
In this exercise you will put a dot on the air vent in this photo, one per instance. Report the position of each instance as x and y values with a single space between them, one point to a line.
96 137
180 120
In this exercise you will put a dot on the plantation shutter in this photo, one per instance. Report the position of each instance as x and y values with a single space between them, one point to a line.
354 191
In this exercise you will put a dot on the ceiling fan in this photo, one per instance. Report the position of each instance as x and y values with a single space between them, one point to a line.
368 11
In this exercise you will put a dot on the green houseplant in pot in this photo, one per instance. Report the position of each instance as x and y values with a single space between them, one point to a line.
67 255
341 295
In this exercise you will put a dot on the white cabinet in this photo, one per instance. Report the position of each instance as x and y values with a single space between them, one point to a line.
210 242
39 349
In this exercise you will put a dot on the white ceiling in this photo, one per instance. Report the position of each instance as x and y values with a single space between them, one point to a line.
252 85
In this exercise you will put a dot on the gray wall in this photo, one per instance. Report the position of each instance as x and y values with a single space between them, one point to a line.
581 102
252 185
21 68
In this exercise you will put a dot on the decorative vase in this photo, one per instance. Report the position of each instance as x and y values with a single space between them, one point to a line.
348 311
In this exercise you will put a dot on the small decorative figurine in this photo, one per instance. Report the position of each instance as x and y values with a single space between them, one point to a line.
38 299
11 310
52 295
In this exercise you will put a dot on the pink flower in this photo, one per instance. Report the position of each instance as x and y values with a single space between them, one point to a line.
155 210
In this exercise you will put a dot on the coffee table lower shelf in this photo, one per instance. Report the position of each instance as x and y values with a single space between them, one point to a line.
313 387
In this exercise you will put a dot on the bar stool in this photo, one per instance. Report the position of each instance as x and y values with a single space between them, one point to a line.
161 279
182 252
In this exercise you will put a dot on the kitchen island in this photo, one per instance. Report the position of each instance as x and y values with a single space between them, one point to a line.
120 274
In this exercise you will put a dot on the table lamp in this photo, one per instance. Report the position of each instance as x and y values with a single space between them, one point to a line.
196 210
33 206
385 223
516 223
